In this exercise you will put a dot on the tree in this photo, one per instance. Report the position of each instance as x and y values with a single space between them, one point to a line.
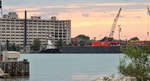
7 44
136 62
60 43
82 43
75 43
13 47
36 45
107 39
18 47
83 37
134 38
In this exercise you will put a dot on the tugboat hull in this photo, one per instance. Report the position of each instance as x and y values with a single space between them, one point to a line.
50 51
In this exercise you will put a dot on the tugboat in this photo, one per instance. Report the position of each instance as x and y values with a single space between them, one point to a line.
51 48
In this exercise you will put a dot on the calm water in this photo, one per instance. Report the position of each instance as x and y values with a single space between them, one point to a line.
69 67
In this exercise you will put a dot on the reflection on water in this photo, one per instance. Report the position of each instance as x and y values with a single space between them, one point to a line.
68 67
16 79
85 77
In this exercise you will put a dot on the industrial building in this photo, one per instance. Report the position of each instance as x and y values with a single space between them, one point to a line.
12 29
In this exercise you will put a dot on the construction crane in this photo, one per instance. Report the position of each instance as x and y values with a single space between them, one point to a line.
148 10
114 24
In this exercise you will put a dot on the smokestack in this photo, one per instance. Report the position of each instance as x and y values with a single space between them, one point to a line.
25 30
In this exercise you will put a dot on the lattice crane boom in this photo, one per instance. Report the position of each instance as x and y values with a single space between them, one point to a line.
148 10
114 24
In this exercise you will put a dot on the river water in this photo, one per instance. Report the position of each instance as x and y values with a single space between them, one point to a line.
69 67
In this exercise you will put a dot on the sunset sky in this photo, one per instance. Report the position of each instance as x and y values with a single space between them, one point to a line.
93 18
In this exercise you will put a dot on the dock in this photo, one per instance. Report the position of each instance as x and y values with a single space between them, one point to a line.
10 66
20 68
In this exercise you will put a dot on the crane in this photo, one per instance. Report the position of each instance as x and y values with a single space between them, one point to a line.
148 10
114 24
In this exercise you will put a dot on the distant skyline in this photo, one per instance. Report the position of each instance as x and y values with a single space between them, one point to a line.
90 17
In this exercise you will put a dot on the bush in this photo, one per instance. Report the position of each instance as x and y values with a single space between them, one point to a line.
136 62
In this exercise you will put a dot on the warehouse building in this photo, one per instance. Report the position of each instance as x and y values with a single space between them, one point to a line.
12 29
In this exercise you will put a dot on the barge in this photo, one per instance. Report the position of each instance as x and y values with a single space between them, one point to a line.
91 49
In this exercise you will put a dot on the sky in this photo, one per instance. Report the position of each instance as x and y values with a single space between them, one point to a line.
93 18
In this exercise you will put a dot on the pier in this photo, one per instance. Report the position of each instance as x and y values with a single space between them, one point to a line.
20 68
10 65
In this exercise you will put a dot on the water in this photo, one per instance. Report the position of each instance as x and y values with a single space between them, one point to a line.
69 67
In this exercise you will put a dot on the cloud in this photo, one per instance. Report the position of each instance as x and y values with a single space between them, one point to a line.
138 17
77 6
63 6
85 15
